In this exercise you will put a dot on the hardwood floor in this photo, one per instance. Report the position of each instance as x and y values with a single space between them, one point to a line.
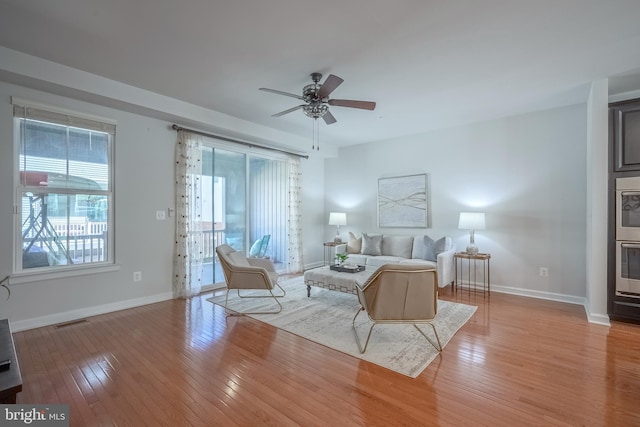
518 361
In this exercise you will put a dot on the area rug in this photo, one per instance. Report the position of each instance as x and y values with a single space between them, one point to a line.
326 318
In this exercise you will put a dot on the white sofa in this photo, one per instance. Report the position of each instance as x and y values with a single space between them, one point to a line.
403 250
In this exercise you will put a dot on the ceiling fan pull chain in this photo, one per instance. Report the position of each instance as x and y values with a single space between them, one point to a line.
313 136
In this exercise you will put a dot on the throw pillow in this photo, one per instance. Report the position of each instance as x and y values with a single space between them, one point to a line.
371 245
354 246
255 248
433 248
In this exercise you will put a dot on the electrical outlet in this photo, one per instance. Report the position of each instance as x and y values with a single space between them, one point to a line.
137 276
160 215
544 272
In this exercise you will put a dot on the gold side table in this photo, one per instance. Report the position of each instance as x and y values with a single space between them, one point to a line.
462 260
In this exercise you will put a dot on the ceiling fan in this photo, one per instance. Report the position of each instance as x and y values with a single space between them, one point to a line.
317 100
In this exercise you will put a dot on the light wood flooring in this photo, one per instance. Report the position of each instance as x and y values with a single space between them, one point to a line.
517 362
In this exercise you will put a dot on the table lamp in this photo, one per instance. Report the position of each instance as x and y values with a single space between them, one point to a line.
471 221
337 219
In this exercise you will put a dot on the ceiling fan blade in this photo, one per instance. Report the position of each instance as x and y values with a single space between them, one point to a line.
279 92
329 86
290 110
328 118
364 105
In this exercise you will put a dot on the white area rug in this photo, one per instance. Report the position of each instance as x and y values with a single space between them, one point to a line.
326 318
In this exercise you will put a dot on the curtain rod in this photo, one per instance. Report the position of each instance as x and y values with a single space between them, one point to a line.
236 141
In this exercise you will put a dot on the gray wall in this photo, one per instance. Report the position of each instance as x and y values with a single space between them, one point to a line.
527 173
144 172
144 184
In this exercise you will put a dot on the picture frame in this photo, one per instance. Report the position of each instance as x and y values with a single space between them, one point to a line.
404 201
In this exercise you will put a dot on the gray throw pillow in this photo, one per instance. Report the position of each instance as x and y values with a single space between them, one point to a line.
371 245
433 248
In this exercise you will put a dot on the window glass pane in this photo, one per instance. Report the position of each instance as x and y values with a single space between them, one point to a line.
223 207
57 156
88 159
229 168
63 229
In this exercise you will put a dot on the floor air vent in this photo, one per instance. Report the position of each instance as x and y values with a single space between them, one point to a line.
73 322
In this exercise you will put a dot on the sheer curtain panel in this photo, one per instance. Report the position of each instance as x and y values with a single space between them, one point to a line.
187 278
295 230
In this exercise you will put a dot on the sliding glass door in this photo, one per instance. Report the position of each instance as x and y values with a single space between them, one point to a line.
244 204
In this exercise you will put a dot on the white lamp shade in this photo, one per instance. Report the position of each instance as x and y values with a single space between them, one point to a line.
337 218
471 221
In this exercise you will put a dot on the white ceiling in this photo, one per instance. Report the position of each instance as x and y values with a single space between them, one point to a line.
427 63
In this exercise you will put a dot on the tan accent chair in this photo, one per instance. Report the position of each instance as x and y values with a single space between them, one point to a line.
399 293
241 272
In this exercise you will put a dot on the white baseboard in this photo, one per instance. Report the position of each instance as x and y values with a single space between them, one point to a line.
539 294
313 265
67 316
601 319
597 318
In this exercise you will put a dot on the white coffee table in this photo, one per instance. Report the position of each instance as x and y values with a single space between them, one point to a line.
324 277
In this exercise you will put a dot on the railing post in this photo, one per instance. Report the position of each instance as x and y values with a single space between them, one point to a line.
104 245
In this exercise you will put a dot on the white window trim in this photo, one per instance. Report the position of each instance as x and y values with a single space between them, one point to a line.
54 109
62 272
26 276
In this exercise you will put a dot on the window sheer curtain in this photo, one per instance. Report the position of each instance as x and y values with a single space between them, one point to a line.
188 255
295 264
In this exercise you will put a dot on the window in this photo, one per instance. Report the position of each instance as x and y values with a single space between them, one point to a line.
64 194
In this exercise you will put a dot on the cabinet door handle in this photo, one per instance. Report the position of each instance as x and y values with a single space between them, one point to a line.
629 193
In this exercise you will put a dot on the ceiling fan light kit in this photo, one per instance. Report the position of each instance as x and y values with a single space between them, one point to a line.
315 110
316 97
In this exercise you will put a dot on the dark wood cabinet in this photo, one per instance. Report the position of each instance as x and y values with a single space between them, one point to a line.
625 126
624 161
10 379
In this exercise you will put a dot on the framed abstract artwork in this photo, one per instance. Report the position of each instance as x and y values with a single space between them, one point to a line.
403 201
